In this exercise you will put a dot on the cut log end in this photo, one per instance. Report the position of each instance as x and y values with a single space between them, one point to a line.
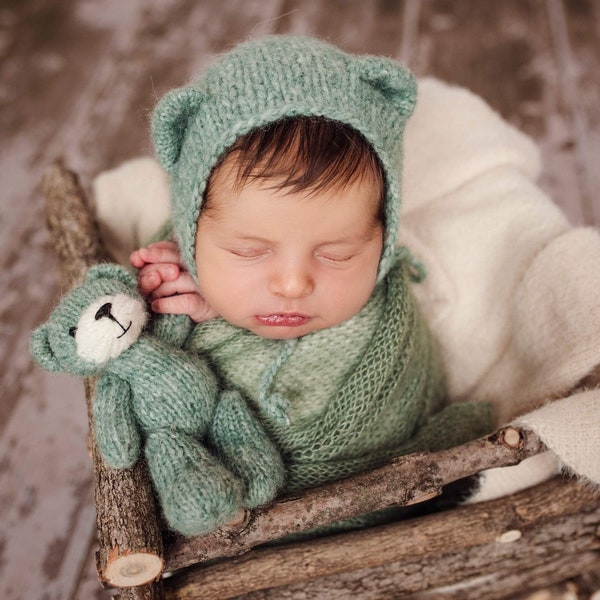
136 568
511 437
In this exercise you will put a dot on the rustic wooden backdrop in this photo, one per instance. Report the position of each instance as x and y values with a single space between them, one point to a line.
78 79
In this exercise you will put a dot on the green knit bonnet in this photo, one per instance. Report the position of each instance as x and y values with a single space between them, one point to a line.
262 81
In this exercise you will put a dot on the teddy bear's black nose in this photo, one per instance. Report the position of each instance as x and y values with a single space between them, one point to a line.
104 311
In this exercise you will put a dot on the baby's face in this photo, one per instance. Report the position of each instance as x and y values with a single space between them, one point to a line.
284 264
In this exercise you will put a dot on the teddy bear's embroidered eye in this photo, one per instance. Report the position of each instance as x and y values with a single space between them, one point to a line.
72 331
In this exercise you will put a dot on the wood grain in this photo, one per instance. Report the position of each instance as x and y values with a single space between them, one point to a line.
512 57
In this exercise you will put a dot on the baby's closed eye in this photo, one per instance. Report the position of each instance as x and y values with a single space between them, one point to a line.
250 252
335 258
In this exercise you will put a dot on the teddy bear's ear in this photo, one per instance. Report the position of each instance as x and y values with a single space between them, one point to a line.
170 121
41 351
110 271
389 77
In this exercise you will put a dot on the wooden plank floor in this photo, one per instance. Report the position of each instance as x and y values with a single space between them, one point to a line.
78 78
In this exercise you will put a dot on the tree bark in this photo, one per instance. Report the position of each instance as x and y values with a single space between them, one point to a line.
72 229
488 551
152 591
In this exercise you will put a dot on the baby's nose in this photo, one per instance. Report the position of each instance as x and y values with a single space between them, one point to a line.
292 283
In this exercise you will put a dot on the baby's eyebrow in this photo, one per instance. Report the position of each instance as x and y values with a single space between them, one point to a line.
244 237
359 238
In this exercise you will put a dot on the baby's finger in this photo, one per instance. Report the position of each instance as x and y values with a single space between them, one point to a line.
161 252
136 260
152 275
183 304
184 284
192 305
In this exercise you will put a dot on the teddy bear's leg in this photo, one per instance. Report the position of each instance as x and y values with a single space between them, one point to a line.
197 493
245 448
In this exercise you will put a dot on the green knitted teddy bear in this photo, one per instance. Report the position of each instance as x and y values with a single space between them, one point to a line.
154 395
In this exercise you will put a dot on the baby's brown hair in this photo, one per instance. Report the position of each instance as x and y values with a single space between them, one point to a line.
303 154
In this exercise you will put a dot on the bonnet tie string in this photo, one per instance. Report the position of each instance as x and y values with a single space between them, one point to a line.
416 268
274 405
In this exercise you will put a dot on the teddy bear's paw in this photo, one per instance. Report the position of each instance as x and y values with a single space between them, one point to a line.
199 503
261 489
197 493
263 479
246 449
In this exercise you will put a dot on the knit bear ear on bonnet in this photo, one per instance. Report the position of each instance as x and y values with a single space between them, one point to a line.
268 79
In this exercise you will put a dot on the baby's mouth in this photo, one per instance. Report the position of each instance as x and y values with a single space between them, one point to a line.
283 319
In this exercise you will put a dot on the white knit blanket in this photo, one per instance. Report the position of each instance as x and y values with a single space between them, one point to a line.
513 290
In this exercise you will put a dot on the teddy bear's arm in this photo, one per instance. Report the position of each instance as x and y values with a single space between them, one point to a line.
246 450
117 433
173 329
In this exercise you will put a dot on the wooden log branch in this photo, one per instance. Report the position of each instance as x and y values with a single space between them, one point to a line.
150 591
482 551
130 543
404 481
73 231
130 540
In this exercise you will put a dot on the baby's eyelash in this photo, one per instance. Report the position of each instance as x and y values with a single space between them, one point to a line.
248 252
337 259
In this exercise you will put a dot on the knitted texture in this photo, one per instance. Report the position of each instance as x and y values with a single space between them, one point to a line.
262 81
154 396
243 447
357 394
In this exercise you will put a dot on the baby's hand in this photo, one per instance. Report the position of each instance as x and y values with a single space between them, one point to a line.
165 283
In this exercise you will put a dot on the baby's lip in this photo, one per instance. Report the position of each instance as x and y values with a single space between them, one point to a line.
283 319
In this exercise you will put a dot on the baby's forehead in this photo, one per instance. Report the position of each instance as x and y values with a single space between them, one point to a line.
228 183
263 209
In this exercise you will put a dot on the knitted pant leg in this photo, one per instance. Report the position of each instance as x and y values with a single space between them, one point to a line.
197 493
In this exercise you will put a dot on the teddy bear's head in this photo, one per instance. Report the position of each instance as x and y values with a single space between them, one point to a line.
94 323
